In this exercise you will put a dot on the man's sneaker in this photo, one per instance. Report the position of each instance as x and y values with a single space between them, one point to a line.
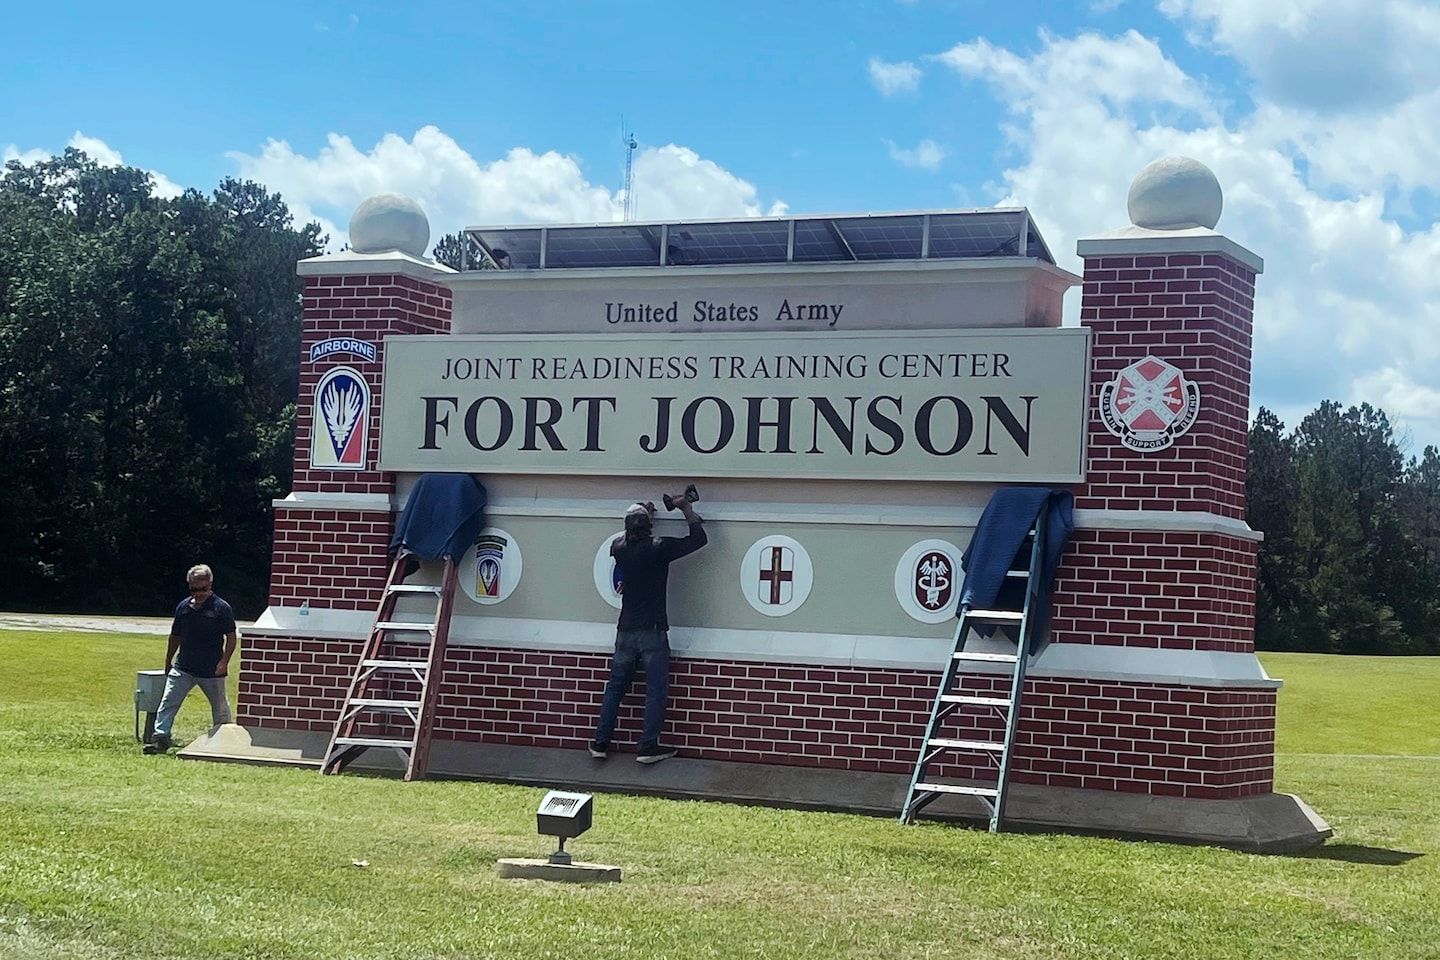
599 750
654 754
161 744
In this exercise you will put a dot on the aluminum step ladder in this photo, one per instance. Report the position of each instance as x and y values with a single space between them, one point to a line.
368 700
951 700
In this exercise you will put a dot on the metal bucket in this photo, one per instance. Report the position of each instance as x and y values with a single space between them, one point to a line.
149 688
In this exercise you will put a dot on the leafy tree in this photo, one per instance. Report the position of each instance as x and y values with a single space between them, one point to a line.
148 370
1271 486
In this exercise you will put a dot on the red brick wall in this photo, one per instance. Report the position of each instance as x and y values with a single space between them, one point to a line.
1143 738
1194 311
1139 588
332 558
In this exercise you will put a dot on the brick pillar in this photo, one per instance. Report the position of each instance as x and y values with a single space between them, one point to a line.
1168 563
333 532
333 556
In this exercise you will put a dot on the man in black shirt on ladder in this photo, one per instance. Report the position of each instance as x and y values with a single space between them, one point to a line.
642 635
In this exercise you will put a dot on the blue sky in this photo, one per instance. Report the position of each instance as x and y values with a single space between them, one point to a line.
778 93
1318 116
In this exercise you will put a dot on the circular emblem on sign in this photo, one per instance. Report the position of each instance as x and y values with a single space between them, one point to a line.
1149 404
927 580
609 578
491 568
776 575
340 427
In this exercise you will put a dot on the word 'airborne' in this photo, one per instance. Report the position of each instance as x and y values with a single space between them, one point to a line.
942 426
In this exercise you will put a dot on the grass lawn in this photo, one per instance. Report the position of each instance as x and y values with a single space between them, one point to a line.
106 853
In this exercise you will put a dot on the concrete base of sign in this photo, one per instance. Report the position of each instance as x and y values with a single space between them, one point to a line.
230 741
1267 823
517 868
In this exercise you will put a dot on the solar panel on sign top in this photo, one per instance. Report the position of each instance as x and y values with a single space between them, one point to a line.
520 248
754 241
622 245
816 241
883 238
943 235
975 235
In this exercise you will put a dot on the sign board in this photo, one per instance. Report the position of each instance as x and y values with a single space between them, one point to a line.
954 405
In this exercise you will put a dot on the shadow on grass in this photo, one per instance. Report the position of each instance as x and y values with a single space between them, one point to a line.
1358 853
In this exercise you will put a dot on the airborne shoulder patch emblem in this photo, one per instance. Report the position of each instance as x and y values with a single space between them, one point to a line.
340 421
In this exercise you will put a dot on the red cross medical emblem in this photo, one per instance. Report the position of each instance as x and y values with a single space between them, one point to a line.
777 574
1149 404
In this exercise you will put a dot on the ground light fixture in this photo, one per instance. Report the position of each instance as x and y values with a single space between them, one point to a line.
564 816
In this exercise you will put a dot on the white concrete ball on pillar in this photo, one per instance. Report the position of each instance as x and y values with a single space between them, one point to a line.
1173 193
388 222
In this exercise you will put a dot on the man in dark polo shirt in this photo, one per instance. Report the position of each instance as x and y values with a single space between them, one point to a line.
642 635
202 641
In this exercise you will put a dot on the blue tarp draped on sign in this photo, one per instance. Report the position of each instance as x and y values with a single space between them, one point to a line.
442 517
1008 517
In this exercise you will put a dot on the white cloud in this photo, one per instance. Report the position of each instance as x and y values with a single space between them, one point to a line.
13 152
1354 83
925 155
673 182
456 190
1326 54
99 151
1349 305
1394 391
893 78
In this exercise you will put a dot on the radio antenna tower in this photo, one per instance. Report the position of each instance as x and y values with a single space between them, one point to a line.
629 140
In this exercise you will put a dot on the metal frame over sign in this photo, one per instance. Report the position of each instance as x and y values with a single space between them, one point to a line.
957 405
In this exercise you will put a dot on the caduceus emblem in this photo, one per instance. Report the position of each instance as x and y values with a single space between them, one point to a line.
933 579
341 404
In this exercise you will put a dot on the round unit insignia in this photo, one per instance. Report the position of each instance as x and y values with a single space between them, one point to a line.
776 575
1149 404
927 580
609 578
491 568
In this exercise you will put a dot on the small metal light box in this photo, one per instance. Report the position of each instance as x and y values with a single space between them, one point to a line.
564 815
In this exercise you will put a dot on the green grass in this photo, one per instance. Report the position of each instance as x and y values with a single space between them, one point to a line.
106 853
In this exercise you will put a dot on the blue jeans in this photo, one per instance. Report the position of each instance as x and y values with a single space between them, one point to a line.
632 648
178 685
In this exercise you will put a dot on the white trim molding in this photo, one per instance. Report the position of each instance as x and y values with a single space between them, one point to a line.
379 502
1201 668
1142 241
350 263
1179 521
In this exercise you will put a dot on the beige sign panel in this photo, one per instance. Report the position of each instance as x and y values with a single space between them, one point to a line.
960 405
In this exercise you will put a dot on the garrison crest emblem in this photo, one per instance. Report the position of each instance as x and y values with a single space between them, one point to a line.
1149 404
340 433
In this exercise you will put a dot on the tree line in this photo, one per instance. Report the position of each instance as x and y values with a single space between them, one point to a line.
1351 558
148 373
149 364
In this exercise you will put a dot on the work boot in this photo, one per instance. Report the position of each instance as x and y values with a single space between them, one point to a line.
654 753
